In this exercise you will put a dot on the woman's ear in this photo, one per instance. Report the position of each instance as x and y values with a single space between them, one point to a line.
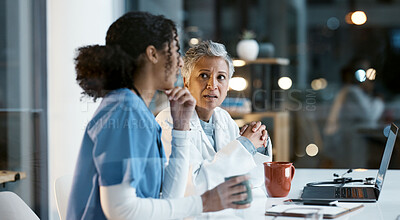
151 54
185 82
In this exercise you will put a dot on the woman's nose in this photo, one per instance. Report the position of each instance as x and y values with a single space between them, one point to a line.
212 83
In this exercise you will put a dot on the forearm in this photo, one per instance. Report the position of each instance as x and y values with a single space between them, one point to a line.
120 202
175 178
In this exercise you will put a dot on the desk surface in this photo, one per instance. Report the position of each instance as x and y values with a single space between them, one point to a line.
388 206
11 176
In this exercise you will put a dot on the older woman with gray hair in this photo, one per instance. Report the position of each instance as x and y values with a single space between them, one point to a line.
218 149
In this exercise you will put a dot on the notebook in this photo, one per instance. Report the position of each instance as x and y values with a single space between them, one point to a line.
361 193
307 211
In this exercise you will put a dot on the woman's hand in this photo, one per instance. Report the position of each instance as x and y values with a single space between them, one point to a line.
223 195
256 133
182 106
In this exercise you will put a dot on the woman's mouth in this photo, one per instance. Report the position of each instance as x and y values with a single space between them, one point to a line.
211 97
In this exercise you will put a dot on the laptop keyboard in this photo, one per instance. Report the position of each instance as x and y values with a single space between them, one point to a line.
350 192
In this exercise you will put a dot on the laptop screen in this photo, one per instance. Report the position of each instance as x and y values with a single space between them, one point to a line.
386 156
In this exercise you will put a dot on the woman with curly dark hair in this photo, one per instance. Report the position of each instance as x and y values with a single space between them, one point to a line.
121 172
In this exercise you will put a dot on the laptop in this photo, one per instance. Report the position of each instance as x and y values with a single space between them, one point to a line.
360 193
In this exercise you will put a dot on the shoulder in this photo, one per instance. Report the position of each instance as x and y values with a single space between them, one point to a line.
131 106
122 109
121 99
127 100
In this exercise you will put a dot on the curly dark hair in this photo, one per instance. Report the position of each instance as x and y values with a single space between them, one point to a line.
134 31
100 69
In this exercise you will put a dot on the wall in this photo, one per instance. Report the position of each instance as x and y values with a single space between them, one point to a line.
70 24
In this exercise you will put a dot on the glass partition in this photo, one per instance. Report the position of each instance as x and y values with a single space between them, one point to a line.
23 100
332 65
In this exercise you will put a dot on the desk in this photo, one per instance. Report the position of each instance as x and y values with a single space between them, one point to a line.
10 176
386 208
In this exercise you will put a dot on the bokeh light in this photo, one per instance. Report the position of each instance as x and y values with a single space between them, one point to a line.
333 23
361 75
371 73
239 63
358 18
194 41
319 84
285 83
238 83
312 150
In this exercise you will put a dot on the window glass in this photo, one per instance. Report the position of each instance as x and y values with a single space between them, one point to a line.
331 65
22 98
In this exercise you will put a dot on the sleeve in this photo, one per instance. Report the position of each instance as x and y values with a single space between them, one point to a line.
120 202
247 144
177 170
176 146
120 154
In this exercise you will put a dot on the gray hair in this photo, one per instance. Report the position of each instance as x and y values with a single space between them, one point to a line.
203 49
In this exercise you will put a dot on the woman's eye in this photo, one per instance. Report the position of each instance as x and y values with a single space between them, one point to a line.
203 75
221 77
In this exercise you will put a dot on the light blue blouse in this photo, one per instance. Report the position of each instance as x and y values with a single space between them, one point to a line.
121 143
209 129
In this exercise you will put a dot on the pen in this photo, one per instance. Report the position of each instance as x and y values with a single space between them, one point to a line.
312 202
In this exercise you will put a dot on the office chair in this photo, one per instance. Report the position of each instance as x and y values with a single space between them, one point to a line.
62 189
12 207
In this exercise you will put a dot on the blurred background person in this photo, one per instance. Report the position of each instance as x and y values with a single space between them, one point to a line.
354 106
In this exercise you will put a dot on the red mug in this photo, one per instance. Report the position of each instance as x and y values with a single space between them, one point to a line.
278 178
